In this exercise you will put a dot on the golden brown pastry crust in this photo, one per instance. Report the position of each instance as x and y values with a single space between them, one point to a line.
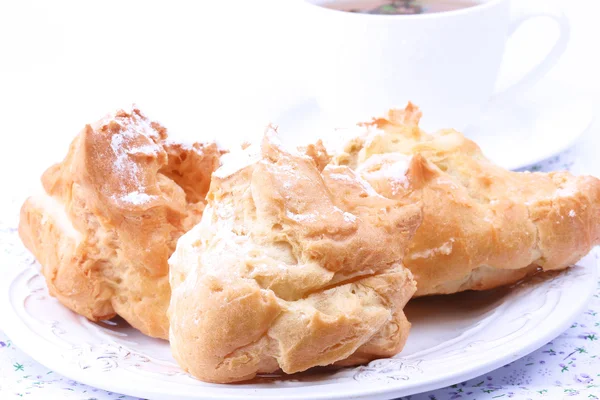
110 215
483 226
289 268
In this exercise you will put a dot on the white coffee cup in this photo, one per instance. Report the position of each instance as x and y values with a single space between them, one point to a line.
359 65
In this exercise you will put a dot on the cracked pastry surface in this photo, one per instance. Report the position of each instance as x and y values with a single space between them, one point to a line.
483 226
110 214
292 266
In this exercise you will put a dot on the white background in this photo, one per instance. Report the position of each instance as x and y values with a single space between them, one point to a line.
205 69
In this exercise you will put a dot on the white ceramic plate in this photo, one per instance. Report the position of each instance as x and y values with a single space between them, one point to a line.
453 338
514 133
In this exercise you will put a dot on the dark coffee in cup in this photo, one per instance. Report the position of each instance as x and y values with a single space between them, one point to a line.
399 7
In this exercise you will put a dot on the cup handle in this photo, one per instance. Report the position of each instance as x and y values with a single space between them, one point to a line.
536 73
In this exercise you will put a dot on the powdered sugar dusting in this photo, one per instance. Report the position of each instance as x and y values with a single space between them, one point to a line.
348 217
353 178
309 217
146 150
572 214
314 216
136 198
242 157
391 167
367 187
565 192
135 137
396 173
444 249
237 160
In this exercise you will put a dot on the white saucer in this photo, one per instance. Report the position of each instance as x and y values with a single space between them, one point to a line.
514 134
541 123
